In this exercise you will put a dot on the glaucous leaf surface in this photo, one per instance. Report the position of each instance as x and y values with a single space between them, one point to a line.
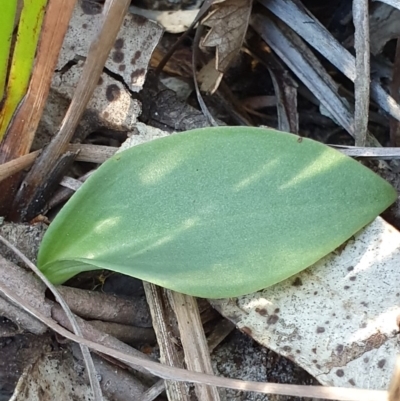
214 213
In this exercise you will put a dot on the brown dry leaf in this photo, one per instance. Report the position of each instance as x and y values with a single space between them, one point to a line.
209 77
228 22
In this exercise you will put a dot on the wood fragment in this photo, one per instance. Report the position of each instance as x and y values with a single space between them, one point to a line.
63 194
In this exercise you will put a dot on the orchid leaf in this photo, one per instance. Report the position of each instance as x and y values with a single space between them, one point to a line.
215 212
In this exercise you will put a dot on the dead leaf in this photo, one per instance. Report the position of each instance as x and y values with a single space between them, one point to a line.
209 77
228 22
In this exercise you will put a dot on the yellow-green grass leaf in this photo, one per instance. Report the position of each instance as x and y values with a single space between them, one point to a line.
215 212
29 27
7 17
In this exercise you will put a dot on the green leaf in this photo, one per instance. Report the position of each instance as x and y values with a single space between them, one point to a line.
7 17
214 213
29 27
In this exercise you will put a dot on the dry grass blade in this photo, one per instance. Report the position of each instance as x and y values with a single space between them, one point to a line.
85 350
317 36
361 82
113 14
372 153
166 372
298 57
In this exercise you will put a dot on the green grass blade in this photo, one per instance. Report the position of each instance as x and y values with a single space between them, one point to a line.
7 17
23 57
